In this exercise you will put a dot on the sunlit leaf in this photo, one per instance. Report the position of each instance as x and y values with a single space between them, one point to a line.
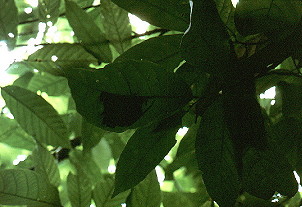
46 165
147 193
79 189
146 148
169 14
163 50
215 156
8 22
25 187
91 36
102 194
36 116
48 10
24 80
116 25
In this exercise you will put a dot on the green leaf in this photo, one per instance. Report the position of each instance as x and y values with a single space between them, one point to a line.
206 42
53 57
102 194
163 50
79 189
267 16
46 165
127 94
147 193
8 22
26 187
265 172
48 10
12 134
226 12
84 3
91 135
36 116
116 25
146 148
52 85
215 156
87 31
169 14
180 199
24 80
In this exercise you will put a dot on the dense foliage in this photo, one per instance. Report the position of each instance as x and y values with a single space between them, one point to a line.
94 95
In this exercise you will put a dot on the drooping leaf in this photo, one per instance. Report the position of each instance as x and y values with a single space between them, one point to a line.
46 165
215 156
36 116
8 22
206 42
79 189
13 135
163 50
146 148
169 14
26 187
267 16
102 194
147 193
53 57
52 85
116 25
127 94
48 10
87 31
266 172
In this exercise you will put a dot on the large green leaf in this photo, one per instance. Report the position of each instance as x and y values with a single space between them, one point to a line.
180 199
146 148
53 57
169 14
48 10
23 80
206 42
127 94
226 12
215 156
26 187
79 189
91 135
163 50
36 116
8 22
102 194
116 25
46 165
266 172
87 31
147 193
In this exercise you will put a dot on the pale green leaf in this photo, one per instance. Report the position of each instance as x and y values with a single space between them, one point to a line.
48 10
26 187
36 116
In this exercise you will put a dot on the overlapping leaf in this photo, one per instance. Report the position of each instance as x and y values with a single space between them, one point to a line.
127 94
116 25
215 156
169 14
87 31
36 116
8 22
48 10
163 50
26 187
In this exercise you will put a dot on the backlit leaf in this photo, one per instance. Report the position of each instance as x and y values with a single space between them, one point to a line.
48 10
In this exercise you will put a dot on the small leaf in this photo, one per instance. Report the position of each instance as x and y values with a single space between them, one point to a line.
172 14
206 42
147 193
215 156
146 148
26 187
102 194
36 116
48 10
116 25
163 50
79 189
45 164
8 22
87 31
